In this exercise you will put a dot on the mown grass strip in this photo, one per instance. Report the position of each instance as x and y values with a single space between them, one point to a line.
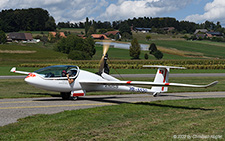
160 120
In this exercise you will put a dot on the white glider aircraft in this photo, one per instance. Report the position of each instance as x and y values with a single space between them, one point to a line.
51 78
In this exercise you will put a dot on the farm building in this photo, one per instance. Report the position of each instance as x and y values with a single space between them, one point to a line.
200 31
141 29
14 36
214 34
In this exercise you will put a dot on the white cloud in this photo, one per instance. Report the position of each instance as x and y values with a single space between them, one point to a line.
61 10
214 11
138 8
78 10
3 2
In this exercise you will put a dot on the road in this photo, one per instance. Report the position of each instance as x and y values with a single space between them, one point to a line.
13 109
141 75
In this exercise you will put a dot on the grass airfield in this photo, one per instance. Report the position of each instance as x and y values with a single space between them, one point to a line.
159 120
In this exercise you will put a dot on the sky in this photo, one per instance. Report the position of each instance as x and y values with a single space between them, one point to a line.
112 10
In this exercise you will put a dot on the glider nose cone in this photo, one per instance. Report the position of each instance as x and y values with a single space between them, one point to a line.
30 78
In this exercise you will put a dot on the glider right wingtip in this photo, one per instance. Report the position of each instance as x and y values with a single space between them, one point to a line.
212 84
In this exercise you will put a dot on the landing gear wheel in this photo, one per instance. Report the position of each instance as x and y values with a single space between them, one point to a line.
65 96
75 97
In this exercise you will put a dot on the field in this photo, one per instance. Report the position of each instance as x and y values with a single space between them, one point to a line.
160 120
172 49
41 53
208 50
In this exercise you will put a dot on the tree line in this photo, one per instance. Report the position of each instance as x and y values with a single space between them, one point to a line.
32 19
148 22
38 19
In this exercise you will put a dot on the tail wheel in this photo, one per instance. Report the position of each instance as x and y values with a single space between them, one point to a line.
155 94
65 96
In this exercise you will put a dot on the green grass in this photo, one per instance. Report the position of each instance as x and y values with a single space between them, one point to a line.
42 54
18 88
222 44
123 54
159 120
45 54
208 49
142 36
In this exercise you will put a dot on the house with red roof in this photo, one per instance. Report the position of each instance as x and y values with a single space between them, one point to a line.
99 36
61 34
115 32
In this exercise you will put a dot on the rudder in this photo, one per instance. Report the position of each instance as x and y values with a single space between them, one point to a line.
162 76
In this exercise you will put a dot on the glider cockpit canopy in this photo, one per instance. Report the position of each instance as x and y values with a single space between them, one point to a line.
58 71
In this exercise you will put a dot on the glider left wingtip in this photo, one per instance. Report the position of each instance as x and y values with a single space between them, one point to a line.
13 69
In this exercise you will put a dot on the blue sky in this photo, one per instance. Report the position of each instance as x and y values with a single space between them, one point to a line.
111 10
195 7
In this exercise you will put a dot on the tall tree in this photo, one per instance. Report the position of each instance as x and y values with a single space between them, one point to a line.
91 30
152 48
135 49
87 26
154 51
2 37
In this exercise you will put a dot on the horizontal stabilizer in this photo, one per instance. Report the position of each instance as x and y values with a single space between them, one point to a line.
169 67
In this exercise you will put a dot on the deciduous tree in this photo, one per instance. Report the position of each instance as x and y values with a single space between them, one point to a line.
152 48
135 49
2 37
73 44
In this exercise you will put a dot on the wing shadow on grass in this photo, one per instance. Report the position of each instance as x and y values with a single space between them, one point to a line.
172 106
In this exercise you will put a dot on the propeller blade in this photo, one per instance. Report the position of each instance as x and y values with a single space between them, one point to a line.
105 50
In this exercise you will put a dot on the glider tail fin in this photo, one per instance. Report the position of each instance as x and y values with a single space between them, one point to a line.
162 76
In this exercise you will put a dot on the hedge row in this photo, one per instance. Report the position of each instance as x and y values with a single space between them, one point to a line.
137 64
